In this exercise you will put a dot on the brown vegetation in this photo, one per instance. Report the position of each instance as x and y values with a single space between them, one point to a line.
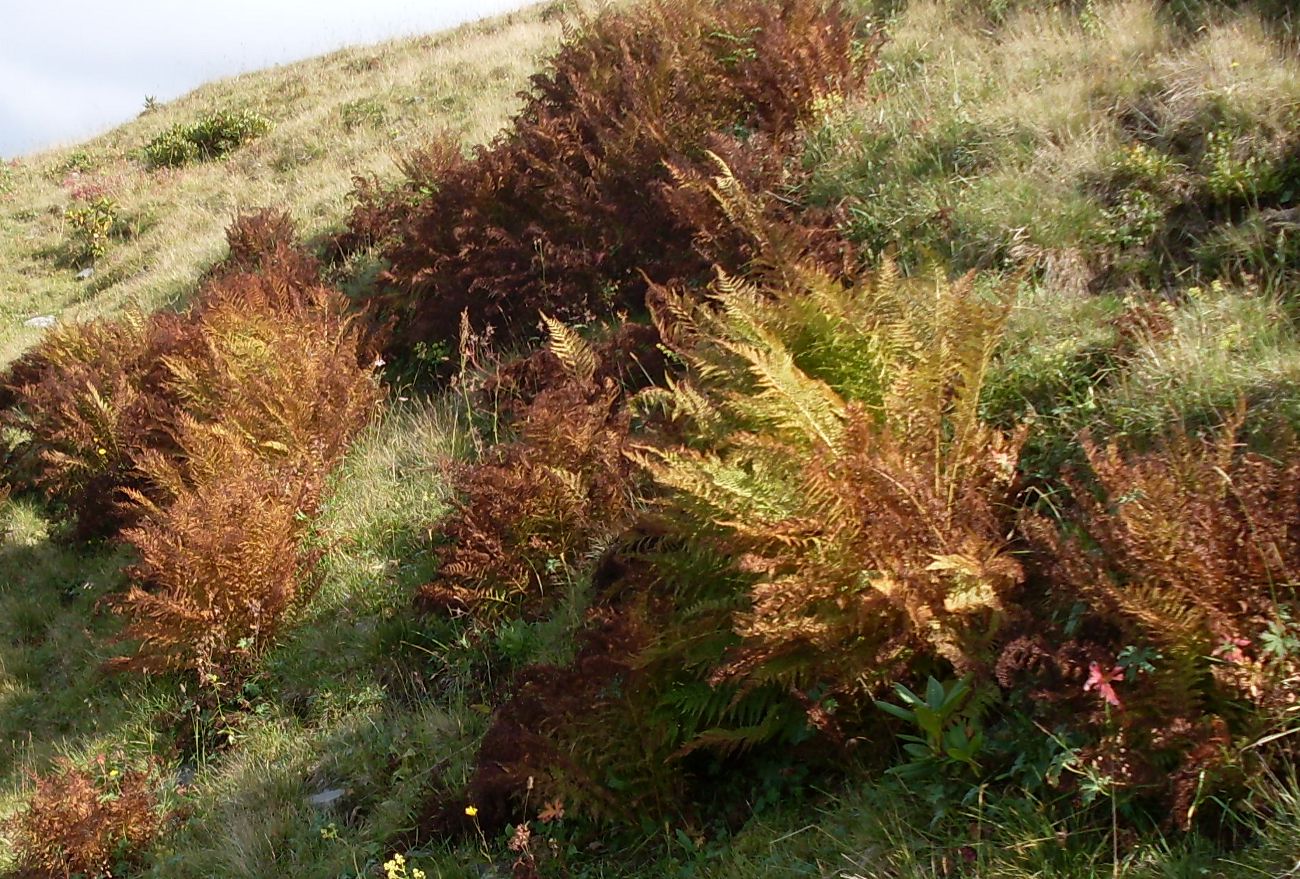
571 208
83 824
208 436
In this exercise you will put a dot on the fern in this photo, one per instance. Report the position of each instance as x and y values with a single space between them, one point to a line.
571 350
870 505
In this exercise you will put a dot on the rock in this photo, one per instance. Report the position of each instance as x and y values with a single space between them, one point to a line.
326 798
85 273
43 322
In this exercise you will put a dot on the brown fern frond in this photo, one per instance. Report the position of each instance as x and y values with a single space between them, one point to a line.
81 823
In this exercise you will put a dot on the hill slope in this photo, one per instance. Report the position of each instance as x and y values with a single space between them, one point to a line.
1058 150
353 112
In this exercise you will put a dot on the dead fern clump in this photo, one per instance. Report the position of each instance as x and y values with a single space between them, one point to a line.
265 242
1187 557
87 401
221 566
1193 548
571 207
537 506
274 388
207 436
84 824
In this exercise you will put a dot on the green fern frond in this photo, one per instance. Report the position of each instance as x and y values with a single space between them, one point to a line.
790 398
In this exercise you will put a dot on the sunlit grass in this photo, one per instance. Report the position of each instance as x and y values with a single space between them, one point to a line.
354 112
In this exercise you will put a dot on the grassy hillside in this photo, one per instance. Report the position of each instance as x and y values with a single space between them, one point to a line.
571 588
353 112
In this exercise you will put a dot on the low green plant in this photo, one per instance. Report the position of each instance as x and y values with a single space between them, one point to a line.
77 160
1233 171
90 226
171 149
210 137
1132 220
363 112
942 754
945 741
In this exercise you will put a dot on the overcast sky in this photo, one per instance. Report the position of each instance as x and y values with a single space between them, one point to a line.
72 68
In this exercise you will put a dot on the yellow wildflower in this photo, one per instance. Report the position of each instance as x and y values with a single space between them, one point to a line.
471 811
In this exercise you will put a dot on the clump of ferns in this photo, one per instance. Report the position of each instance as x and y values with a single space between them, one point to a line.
1188 555
837 454
538 506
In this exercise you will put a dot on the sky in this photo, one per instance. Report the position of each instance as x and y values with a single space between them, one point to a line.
70 69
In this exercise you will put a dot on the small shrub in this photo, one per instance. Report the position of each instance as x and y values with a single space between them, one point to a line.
90 227
171 149
277 382
1233 173
79 823
210 137
263 242
78 161
363 112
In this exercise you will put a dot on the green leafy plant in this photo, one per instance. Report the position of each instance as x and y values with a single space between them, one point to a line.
210 137
90 226
1232 171
946 740
77 161
363 112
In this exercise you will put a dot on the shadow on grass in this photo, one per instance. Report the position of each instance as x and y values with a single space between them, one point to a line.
55 633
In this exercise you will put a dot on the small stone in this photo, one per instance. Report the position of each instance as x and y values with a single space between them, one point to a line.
326 798
43 322
85 273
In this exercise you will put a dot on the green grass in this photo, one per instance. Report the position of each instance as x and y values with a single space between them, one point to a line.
993 140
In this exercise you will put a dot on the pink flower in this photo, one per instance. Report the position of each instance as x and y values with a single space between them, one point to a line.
1230 650
1102 681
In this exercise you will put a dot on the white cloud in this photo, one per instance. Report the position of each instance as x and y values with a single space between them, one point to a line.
39 107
